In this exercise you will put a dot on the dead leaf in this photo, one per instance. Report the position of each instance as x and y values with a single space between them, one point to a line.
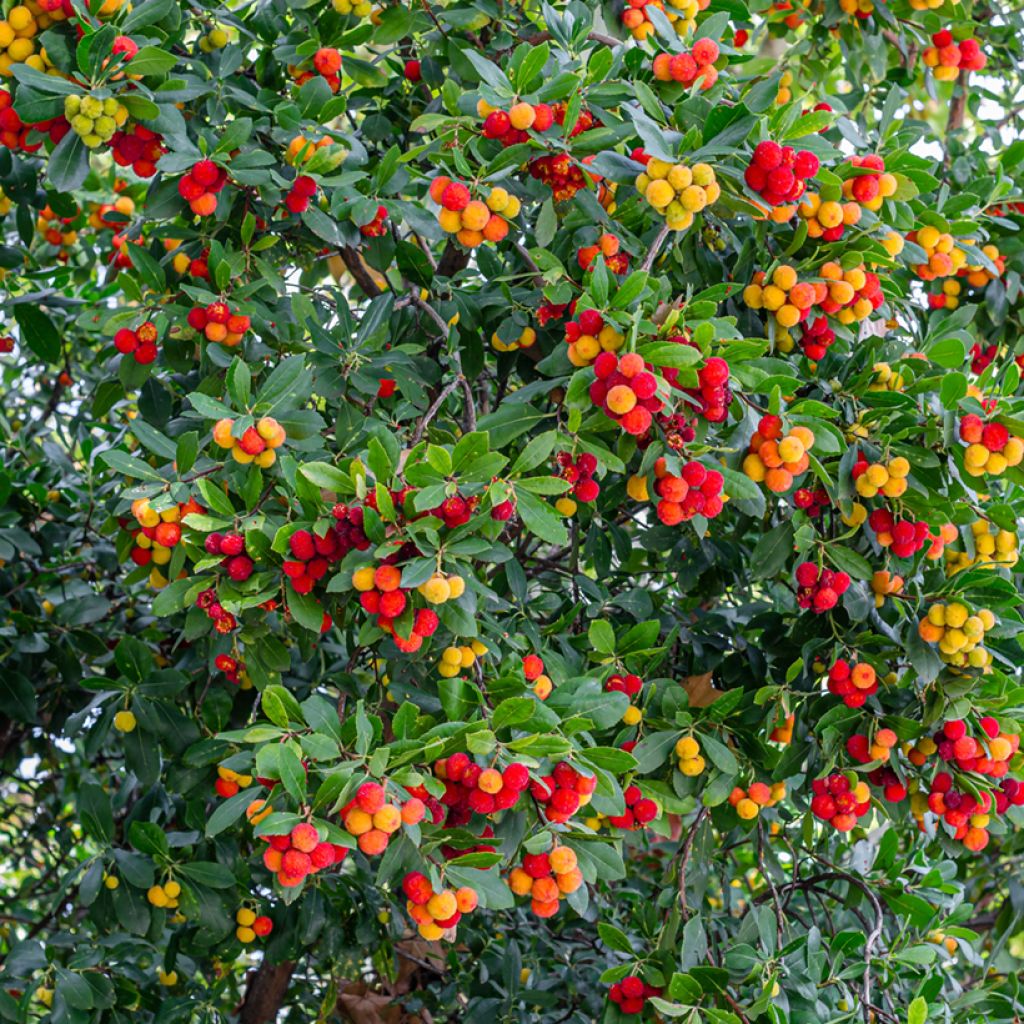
700 691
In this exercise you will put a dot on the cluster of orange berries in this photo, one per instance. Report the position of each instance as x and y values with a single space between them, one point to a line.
697 490
300 853
871 187
533 672
251 926
776 459
229 782
527 339
546 878
473 221
373 820
959 634
853 682
588 336
885 584
682 14
57 231
219 324
689 67
158 532
457 659
748 802
991 448
381 593
944 256
435 911
978 276
863 749
140 344
200 186
888 478
609 247
826 219
258 444
327 64
302 150
511 128
947 58
783 732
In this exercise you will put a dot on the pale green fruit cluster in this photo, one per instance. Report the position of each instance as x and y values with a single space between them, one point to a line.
95 120
216 39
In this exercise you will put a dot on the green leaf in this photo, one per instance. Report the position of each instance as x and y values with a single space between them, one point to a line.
540 518
37 331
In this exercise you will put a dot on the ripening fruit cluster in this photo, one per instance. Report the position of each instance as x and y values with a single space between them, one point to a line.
712 396
826 219
14 132
852 294
813 502
306 147
375 228
453 511
200 186
991 448
164 896
470 789
945 257
435 912
300 853
682 14
237 563
17 40
138 148
57 231
788 298
959 634
219 324
783 732
563 792
300 194
779 174
609 247
258 444
678 191
251 926
457 659
588 336
158 531
889 478
886 379
626 391
631 994
527 339
697 490
381 594
94 120
560 172
546 878
580 473
473 221
871 187
863 749
948 298
853 682
906 536
234 671
776 459
140 343
229 782
631 685
327 63
993 547
819 589
223 621
947 58
748 802
441 588
512 127
885 584
689 67
533 672
357 8
373 820
690 760
979 276
839 802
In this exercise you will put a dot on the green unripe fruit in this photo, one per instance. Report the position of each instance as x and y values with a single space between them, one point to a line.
92 141
105 127
218 38
91 106
110 106
82 124
72 105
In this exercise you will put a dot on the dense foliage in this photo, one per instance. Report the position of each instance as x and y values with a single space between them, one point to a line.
510 511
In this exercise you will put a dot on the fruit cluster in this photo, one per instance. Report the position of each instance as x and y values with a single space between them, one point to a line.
712 396
949 298
376 227
609 247
687 67
229 782
779 174
300 853
158 532
992 547
678 191
748 802
300 194
783 731
562 174
373 820
456 659
944 256
948 58
640 810
789 299
631 685
14 133
441 588
216 39
838 802
588 336
889 478
453 511
978 275
251 925
690 760
826 219
327 64
138 148
302 150
512 127
853 682
258 444
815 339
959 634
94 120
906 536
435 911
223 621
776 459
580 473
697 490
470 789
546 878
631 994
231 547
812 501
311 556
234 671
527 339
563 792
626 391
200 186
885 584
472 221
140 343
219 324
165 895
381 594
819 589
533 672
991 448
864 750
873 185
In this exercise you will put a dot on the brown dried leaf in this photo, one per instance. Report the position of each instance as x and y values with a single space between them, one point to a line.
700 691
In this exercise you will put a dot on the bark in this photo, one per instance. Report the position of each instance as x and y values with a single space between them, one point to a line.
265 992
